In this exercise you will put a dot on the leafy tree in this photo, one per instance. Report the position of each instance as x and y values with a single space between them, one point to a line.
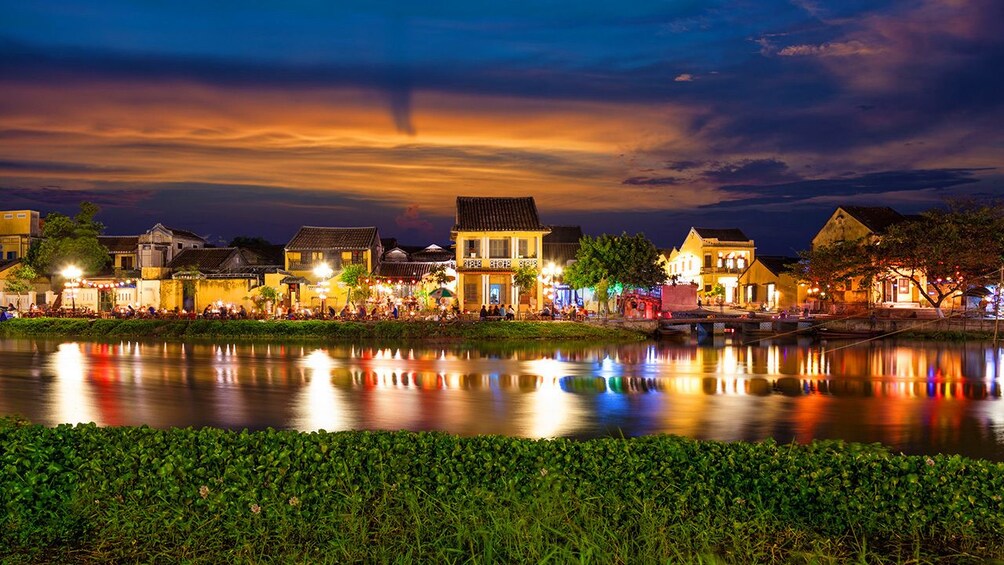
615 261
835 267
19 281
266 298
437 276
945 251
70 241
354 276
525 278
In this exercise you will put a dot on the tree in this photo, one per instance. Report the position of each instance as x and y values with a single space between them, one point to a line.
70 241
353 276
19 281
438 277
266 298
617 262
833 268
945 251
525 278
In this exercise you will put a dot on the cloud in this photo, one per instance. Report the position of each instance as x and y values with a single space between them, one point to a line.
650 181
685 77
884 182
61 199
750 171
410 219
834 49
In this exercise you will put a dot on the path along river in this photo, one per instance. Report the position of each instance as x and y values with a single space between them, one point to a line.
913 397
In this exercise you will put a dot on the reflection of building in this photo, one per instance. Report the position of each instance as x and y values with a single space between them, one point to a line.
18 230
494 237
338 248
560 249
769 280
710 257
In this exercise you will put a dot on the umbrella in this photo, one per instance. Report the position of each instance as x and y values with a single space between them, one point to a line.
441 293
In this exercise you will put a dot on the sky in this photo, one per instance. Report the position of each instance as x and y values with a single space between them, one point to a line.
256 117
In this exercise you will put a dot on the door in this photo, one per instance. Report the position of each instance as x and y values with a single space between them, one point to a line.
495 293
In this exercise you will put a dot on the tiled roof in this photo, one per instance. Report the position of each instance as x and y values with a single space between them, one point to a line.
120 243
402 270
317 238
435 255
563 234
559 253
476 213
8 263
185 233
777 264
728 234
205 260
875 218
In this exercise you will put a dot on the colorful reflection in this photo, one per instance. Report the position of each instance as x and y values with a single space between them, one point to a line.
913 397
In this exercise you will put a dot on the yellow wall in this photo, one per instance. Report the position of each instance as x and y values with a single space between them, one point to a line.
118 257
17 230
483 261
789 292
687 262
230 291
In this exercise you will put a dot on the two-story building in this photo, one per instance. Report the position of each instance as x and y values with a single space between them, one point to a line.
770 281
867 224
334 246
124 250
18 230
710 257
495 236
160 244
403 267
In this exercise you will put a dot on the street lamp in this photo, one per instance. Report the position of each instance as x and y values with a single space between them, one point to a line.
549 275
323 272
71 274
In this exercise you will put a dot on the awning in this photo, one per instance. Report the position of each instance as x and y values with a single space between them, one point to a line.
978 291
294 280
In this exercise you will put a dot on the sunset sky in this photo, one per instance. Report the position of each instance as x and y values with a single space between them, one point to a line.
253 118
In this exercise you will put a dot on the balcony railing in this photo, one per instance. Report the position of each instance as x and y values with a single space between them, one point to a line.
717 270
499 263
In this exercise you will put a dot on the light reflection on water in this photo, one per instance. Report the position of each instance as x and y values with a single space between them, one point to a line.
912 397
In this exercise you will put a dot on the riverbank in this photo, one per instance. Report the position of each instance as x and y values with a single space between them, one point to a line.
90 494
313 330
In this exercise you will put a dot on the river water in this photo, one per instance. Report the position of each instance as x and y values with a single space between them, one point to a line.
913 397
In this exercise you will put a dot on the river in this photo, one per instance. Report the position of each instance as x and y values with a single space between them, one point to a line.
913 397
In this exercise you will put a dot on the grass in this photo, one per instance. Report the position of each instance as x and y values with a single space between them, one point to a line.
89 494
311 330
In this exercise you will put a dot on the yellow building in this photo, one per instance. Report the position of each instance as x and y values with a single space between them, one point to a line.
494 237
336 247
867 223
124 250
18 230
710 257
769 282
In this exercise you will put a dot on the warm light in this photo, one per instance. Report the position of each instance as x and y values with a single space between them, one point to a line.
323 271
72 272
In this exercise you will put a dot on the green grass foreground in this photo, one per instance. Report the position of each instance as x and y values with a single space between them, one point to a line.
316 329
90 494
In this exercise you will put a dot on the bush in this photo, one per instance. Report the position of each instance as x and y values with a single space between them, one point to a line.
208 495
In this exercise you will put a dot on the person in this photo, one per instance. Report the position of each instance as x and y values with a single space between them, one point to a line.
331 312
11 307
130 311
698 303
484 313
205 312
510 313
345 312
395 311
546 312
243 313
153 311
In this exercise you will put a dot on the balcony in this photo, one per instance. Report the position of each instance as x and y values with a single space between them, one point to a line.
499 263
722 270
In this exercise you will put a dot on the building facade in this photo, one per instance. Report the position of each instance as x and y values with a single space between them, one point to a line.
18 230
769 284
495 236
710 257
338 248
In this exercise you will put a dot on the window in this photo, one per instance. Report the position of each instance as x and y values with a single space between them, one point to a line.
8 216
293 256
181 245
11 255
707 288
498 248
21 216
526 248
741 262
127 263
730 262
316 257
472 248
707 261
353 258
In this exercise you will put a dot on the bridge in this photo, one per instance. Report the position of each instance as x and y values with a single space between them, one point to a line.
722 325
